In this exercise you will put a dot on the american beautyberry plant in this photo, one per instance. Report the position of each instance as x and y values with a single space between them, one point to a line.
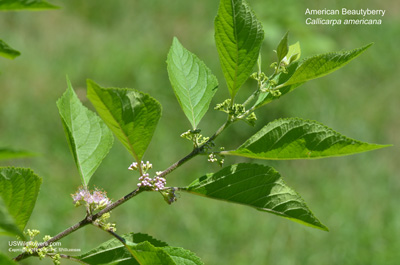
132 116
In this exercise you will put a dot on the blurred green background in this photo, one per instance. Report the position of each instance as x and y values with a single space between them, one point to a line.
125 44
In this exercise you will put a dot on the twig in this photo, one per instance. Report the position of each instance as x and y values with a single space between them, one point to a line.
111 232
91 218
196 151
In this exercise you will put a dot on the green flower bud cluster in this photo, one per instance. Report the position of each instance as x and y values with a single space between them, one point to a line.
260 77
169 195
195 137
31 233
281 68
56 259
32 246
102 222
236 111
266 84
251 119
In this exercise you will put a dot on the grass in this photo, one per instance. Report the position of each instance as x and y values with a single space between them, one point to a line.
123 44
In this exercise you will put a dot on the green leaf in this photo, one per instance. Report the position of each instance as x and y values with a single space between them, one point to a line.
8 52
130 114
16 5
295 138
182 256
238 36
6 153
146 253
19 188
4 260
293 54
88 137
308 69
141 249
283 48
109 252
256 186
112 251
193 83
323 64
140 237
8 226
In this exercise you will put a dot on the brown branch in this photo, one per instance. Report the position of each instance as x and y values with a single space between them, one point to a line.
91 218
196 151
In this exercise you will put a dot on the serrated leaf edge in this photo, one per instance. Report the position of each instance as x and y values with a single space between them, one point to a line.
233 152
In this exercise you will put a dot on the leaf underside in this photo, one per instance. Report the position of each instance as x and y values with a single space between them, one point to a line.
295 138
193 83
130 114
19 188
88 137
238 37
256 186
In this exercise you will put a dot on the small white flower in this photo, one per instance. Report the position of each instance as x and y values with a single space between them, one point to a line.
133 166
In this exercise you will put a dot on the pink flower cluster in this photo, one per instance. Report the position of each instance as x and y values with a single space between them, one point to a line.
156 183
95 201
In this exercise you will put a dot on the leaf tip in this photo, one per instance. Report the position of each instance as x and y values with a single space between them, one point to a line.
68 82
286 34
90 81
380 146
91 85
321 226
365 47
370 44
